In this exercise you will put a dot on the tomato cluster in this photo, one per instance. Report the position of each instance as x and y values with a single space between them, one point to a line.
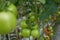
30 26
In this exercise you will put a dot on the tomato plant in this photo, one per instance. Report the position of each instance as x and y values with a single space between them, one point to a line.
7 22
36 11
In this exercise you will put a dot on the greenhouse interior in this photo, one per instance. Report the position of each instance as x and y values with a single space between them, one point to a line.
29 19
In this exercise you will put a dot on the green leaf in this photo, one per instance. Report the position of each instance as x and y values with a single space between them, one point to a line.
2 4
13 1
42 1
50 9
57 1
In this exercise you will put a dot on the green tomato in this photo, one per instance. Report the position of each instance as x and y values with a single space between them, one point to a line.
32 18
25 33
23 24
7 22
35 26
50 28
12 8
51 34
58 12
35 33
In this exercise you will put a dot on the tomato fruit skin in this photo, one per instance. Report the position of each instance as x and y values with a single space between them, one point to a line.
25 33
32 18
12 8
35 27
35 33
23 24
51 34
7 22
50 28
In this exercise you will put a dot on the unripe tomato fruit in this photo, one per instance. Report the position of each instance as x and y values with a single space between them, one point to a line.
32 18
50 28
23 24
12 8
51 34
35 33
35 26
25 33
7 22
